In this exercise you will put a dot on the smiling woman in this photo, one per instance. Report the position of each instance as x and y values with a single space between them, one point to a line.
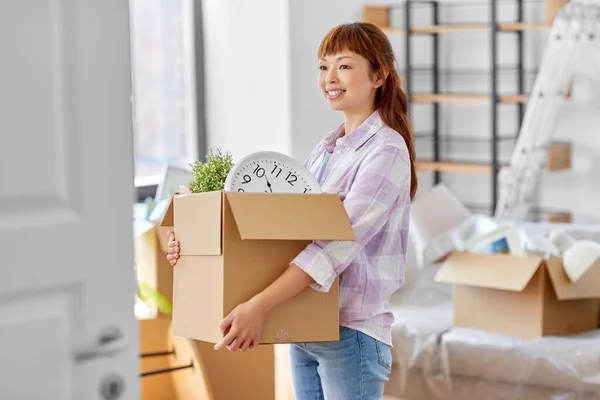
368 161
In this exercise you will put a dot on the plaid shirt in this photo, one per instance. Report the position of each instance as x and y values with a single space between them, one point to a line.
370 169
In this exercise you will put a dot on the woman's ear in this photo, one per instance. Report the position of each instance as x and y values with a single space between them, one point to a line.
381 76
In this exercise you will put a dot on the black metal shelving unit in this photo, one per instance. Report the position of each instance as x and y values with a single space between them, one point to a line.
495 69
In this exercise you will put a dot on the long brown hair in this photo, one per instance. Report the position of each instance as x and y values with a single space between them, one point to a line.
370 42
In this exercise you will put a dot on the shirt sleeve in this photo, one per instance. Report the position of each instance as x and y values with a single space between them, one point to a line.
382 178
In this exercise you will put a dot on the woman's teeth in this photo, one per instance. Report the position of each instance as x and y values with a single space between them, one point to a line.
334 93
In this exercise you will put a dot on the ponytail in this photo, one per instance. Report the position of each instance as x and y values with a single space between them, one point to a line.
392 104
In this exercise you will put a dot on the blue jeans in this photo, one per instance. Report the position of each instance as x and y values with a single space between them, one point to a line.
354 368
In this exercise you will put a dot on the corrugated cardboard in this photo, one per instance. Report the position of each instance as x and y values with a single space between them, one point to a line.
522 296
253 372
233 245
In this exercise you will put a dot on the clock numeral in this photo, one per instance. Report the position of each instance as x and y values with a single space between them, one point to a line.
291 178
240 190
305 190
258 171
278 172
247 179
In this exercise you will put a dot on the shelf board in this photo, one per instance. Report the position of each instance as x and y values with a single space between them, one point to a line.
501 69
447 139
467 98
557 159
523 26
453 166
506 27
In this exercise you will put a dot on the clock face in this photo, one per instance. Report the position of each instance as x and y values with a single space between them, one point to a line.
270 172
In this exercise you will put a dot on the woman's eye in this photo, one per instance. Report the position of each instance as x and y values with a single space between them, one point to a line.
344 67
322 67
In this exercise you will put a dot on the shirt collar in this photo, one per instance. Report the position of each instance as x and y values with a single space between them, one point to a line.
357 137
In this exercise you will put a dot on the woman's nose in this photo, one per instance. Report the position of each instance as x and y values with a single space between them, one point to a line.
331 77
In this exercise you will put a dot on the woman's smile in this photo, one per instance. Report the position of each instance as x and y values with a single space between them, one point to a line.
333 94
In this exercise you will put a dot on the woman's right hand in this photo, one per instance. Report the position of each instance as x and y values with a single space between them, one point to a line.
173 250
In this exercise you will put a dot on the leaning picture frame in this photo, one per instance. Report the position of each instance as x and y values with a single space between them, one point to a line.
172 178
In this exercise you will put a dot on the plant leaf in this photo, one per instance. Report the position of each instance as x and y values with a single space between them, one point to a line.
146 293
211 175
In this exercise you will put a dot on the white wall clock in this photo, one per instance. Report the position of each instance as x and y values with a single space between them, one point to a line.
270 172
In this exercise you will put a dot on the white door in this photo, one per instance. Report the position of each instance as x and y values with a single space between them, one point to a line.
67 285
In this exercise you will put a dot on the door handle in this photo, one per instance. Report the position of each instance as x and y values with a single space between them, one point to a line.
110 342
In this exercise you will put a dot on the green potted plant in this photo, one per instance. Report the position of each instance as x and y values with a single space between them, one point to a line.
210 175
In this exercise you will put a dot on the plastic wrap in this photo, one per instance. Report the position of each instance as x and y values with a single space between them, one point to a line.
432 360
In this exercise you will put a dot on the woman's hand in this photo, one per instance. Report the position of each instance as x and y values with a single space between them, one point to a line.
242 327
173 250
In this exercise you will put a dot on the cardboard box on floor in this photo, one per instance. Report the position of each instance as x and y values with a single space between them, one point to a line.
150 251
233 245
521 296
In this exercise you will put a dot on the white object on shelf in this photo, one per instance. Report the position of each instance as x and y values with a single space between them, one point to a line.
577 255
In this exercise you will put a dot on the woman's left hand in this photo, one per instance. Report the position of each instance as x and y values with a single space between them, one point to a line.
242 326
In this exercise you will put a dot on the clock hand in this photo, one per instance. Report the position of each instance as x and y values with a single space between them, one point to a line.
268 184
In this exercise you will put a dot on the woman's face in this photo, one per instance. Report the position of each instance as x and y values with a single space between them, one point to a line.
346 82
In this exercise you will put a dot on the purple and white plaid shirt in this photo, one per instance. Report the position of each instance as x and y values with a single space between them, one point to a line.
370 169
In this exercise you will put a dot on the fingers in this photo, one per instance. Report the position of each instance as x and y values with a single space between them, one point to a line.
172 249
227 341
173 245
235 344
235 341
225 325
246 345
172 259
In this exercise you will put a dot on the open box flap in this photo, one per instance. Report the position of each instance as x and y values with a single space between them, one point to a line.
167 219
493 271
166 225
197 223
290 216
586 287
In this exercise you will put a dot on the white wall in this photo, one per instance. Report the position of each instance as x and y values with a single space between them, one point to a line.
286 90
247 75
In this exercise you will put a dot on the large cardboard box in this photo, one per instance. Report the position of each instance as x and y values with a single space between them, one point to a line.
521 296
233 245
